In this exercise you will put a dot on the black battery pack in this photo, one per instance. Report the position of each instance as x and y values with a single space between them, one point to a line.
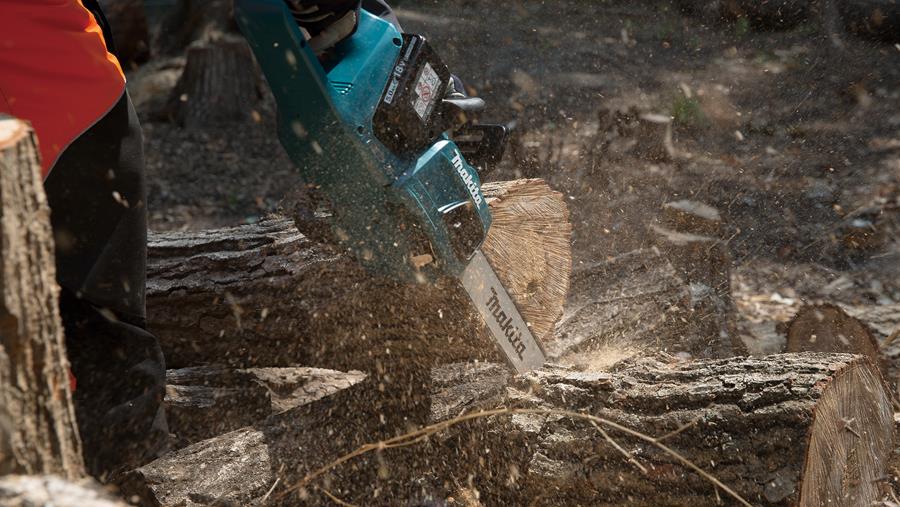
410 114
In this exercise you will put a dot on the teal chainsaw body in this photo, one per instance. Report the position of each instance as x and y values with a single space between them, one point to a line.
367 126
391 203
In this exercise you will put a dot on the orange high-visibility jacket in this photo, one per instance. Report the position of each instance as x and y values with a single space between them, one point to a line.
55 71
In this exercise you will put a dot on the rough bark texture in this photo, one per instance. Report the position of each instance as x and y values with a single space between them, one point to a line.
50 490
37 421
220 84
205 401
810 429
792 429
265 295
128 23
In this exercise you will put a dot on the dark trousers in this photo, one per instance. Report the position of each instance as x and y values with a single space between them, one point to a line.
96 193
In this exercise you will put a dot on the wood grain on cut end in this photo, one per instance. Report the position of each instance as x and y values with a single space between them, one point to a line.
529 246
849 442
12 131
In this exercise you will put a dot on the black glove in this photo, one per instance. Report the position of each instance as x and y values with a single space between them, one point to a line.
325 22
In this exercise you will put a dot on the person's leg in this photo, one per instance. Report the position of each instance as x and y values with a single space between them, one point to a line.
96 194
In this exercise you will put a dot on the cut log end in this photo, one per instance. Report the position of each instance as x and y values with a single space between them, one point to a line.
529 245
850 440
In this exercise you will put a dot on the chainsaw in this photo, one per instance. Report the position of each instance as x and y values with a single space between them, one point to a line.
369 127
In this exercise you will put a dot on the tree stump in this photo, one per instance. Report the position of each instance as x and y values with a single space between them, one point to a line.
220 84
690 239
37 420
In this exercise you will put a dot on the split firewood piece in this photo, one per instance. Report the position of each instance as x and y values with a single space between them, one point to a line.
38 432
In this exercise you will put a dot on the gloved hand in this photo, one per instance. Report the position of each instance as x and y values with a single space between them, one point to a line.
325 22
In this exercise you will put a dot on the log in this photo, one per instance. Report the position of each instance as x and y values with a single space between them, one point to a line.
37 420
264 295
791 429
28 490
220 84
205 401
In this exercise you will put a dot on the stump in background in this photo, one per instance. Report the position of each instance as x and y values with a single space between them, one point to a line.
220 84
37 420
194 20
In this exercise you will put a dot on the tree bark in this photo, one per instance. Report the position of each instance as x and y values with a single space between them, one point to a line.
220 84
793 429
37 421
263 295
205 401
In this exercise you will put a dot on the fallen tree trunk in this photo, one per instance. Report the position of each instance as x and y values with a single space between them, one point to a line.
828 328
37 420
792 429
205 401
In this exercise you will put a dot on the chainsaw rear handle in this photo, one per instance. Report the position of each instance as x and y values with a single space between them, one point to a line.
390 204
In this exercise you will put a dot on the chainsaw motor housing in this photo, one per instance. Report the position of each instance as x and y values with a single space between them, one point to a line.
367 126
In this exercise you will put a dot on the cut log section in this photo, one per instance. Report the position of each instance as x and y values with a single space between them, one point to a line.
37 420
794 429
530 246
264 295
